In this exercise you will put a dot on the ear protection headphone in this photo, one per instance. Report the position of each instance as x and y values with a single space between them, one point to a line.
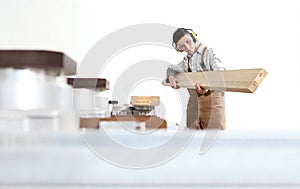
192 34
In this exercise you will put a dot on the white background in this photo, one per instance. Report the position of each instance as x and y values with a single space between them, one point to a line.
245 34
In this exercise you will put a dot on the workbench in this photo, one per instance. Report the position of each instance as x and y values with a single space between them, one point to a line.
237 159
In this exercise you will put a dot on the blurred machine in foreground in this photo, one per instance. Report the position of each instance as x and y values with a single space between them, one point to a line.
34 94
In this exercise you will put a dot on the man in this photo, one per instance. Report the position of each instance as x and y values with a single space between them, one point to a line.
206 108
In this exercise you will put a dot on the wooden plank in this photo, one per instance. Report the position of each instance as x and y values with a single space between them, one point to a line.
243 80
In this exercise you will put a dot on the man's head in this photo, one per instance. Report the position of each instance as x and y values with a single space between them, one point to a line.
183 40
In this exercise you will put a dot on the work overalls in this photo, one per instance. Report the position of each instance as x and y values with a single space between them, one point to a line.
206 111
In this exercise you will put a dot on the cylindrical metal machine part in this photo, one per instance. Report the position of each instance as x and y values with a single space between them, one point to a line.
89 97
90 103
34 89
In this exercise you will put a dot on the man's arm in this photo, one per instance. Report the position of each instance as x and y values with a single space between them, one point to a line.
213 61
174 69
171 73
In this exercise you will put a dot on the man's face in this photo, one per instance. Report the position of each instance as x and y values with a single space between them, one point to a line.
186 44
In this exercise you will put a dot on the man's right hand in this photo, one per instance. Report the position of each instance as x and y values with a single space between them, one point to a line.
173 82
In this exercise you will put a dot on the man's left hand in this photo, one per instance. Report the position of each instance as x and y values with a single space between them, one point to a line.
199 89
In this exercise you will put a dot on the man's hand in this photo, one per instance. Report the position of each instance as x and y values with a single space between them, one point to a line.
199 89
173 82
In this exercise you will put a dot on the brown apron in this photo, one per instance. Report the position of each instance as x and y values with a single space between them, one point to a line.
206 111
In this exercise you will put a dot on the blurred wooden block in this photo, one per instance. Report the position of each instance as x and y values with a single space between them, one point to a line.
152 122
47 60
91 83
145 100
244 80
